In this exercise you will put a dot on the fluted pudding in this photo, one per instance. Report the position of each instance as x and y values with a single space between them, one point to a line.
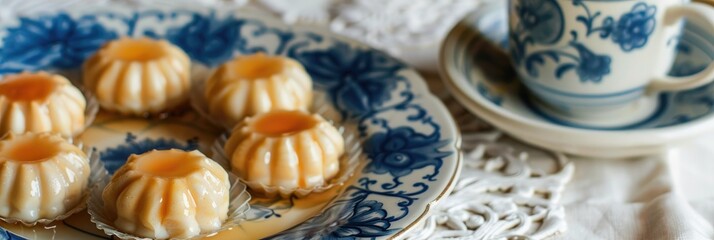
40 102
42 176
168 194
286 149
139 76
254 84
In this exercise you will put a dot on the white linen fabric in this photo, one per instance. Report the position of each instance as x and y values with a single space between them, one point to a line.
670 196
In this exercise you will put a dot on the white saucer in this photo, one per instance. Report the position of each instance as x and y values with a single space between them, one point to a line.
478 73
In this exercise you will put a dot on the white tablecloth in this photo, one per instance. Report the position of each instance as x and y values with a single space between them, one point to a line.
659 197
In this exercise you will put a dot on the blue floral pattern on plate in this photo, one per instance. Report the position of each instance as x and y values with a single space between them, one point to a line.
357 218
208 39
399 151
366 86
358 81
52 42
115 157
542 20
7 235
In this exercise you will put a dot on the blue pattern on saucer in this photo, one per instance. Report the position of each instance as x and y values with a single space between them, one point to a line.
365 85
542 20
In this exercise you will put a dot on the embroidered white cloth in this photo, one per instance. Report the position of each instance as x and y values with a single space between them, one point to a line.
670 196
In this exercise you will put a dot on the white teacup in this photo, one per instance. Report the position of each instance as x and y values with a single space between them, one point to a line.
592 58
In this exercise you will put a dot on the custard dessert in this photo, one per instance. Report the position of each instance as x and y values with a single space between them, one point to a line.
168 194
42 176
286 149
139 76
40 102
254 84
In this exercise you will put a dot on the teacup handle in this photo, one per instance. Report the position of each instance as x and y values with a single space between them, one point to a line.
702 15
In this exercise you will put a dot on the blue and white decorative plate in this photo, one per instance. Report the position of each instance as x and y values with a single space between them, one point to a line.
479 73
409 137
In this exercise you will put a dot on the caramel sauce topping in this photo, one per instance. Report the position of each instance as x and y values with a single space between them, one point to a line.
26 149
283 123
27 87
140 49
168 163
257 66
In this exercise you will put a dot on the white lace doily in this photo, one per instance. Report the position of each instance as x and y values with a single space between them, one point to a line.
506 190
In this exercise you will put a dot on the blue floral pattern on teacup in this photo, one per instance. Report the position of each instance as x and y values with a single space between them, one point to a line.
591 67
630 32
52 42
634 28
541 19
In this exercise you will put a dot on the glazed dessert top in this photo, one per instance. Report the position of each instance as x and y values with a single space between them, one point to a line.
34 148
167 163
282 123
28 87
256 66
135 49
